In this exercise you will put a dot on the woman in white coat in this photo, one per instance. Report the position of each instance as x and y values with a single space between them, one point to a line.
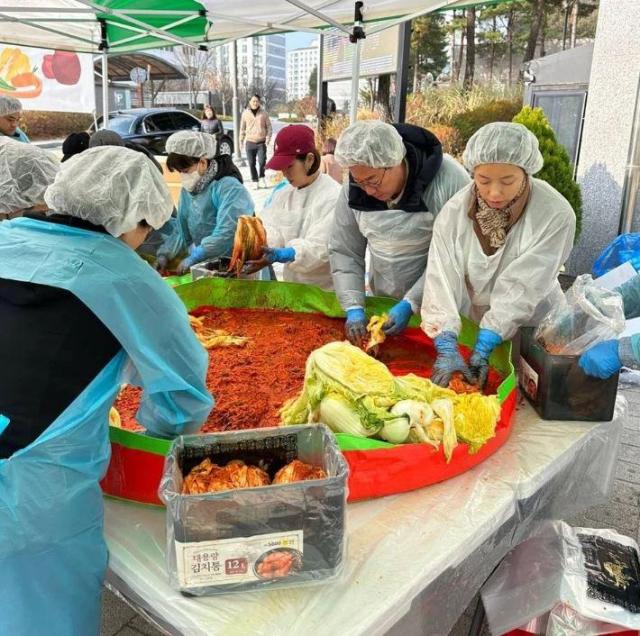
497 248
299 218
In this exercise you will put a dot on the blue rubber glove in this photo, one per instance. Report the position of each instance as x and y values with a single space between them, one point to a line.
399 318
486 342
196 255
449 360
601 360
356 326
270 255
279 254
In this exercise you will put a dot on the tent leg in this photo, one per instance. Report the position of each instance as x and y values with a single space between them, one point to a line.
320 96
105 89
237 151
355 83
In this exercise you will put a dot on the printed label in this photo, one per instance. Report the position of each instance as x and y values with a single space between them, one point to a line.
260 558
528 379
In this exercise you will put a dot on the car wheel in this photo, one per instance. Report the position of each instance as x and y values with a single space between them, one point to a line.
226 147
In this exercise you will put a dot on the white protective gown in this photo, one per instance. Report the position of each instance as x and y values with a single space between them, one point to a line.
398 243
516 286
301 218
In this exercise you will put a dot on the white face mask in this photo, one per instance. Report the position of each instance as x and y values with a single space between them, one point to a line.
189 180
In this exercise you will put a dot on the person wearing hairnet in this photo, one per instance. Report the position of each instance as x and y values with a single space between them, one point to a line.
10 113
78 318
25 173
399 180
608 357
149 249
497 249
211 200
298 220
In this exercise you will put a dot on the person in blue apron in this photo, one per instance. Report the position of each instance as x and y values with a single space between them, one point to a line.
211 201
10 114
81 314
497 249
607 358
25 173
399 179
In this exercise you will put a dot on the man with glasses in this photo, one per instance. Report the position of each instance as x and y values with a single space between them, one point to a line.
399 179
10 113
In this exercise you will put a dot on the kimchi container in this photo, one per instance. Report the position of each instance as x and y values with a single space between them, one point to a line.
255 538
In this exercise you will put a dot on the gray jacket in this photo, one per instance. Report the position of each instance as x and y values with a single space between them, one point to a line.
398 243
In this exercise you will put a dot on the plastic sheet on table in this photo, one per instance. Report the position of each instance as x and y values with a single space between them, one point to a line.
415 561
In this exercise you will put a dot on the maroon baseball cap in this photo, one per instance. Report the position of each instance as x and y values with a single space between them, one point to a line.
291 141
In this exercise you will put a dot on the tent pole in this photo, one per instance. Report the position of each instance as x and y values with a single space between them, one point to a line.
104 48
354 37
320 85
237 151
355 83
105 89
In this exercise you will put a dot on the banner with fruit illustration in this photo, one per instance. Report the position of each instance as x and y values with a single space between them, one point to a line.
48 80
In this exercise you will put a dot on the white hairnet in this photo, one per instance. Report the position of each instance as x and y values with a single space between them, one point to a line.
25 173
370 143
504 142
111 186
192 144
9 105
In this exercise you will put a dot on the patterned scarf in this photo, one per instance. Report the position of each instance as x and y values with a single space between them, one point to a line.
206 178
494 223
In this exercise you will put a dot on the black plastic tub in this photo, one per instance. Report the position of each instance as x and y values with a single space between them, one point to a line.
557 387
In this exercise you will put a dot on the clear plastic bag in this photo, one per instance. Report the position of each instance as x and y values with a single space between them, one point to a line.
228 541
588 315
566 581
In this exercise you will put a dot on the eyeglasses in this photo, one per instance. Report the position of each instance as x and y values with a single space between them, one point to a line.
372 184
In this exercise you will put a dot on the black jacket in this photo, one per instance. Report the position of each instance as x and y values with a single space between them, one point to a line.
424 158
51 347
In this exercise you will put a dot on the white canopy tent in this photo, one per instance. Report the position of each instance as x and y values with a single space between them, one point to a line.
110 26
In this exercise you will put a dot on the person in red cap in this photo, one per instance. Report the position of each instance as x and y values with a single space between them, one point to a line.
298 220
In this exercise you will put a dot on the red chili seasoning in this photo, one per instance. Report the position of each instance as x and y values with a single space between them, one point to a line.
251 383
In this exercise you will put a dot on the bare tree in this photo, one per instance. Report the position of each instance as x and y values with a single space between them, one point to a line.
267 89
383 97
574 22
196 65
536 26
220 85
470 65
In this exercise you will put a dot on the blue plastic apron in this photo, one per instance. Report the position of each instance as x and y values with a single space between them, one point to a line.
52 553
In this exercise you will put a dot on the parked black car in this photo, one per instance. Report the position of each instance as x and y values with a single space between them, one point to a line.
151 127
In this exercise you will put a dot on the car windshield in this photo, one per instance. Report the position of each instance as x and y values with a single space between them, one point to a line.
120 123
